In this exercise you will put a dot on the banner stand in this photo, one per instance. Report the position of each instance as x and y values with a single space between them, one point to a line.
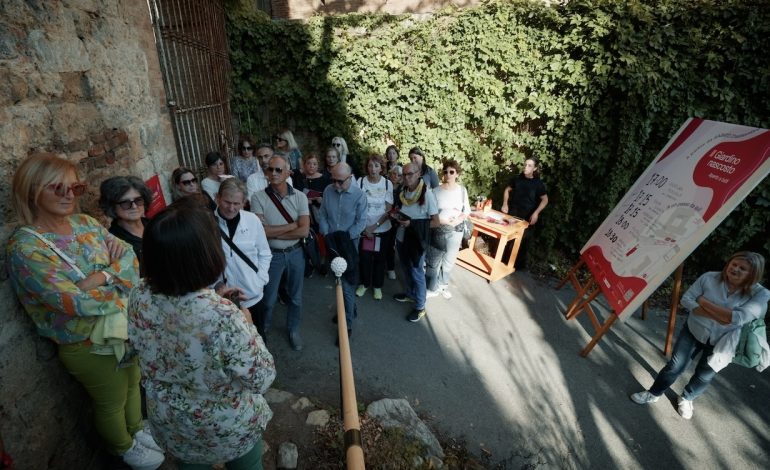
588 290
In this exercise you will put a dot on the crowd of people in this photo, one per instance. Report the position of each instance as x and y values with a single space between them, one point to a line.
133 301
129 301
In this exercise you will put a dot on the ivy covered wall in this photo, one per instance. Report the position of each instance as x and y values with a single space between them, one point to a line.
593 88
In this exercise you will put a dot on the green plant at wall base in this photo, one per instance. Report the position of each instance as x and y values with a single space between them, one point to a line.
593 88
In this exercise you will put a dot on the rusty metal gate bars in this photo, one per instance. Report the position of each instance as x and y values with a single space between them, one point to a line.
192 47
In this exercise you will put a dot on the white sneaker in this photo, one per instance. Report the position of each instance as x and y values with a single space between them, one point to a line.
392 275
147 440
642 398
685 408
139 457
431 293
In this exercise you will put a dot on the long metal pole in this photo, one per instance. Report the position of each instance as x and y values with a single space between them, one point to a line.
353 450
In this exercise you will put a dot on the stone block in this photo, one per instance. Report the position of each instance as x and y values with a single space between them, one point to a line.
287 455
122 152
74 121
397 413
274 396
13 87
9 41
119 137
97 150
317 418
58 52
302 404
75 86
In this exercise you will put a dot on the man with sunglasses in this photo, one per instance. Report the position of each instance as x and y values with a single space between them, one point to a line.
341 220
285 215
259 181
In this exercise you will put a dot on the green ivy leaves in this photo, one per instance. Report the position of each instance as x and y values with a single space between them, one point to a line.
594 88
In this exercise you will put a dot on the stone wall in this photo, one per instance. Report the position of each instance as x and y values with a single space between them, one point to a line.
303 9
79 78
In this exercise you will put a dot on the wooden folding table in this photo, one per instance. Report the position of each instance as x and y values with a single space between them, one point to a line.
505 229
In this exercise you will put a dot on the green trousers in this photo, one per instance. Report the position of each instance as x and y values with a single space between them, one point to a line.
251 460
114 393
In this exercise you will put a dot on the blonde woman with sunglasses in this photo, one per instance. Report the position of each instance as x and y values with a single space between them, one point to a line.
73 278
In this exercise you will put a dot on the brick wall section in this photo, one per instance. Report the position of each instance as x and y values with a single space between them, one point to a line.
81 79
303 9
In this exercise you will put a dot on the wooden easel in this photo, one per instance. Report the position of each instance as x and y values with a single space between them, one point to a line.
587 291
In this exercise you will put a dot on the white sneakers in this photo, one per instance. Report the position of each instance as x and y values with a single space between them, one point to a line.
642 398
145 453
392 275
684 407
431 293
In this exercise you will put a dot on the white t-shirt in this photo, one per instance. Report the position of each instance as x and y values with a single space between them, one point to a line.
378 195
451 203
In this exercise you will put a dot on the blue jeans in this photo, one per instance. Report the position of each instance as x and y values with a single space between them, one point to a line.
685 349
414 275
349 298
293 264
439 263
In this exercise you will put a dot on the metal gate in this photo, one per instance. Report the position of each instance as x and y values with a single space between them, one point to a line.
192 47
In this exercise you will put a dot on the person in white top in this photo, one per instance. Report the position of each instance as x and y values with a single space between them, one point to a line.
246 234
215 166
453 209
374 240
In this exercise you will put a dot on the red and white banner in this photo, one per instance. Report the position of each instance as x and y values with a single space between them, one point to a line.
698 178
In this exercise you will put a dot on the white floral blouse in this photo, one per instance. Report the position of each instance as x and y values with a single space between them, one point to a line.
204 370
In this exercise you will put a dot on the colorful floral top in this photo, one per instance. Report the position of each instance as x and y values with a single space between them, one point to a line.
204 370
46 285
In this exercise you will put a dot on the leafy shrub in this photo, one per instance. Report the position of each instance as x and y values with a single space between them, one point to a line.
593 88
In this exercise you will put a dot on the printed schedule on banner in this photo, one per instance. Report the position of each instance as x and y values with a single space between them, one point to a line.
701 175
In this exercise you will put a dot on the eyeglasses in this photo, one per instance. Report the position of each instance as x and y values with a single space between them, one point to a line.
449 172
129 203
189 182
61 190
342 181
410 173
274 170
248 149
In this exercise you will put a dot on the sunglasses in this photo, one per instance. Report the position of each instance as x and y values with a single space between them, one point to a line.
248 149
274 170
129 203
342 181
337 144
61 190
449 172
189 182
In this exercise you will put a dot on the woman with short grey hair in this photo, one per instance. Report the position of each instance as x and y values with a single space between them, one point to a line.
123 199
